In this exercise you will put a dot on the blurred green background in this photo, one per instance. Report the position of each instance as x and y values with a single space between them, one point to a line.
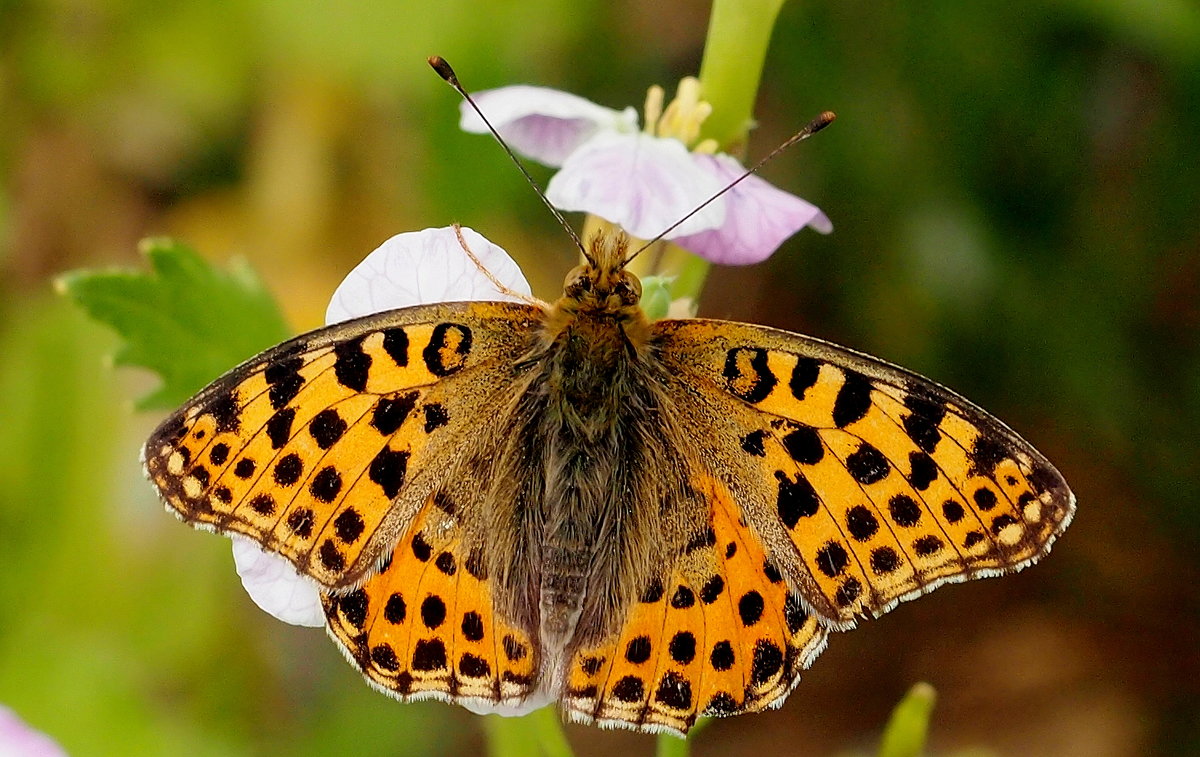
1014 189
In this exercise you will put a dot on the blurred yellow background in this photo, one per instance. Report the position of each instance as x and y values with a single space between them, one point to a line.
1014 193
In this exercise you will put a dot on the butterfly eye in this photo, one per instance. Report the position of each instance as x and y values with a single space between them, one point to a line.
577 281
629 289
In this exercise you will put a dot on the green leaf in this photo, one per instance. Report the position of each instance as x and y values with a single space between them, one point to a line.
186 320
906 730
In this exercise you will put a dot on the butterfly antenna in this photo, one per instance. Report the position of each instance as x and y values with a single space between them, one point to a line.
814 126
444 70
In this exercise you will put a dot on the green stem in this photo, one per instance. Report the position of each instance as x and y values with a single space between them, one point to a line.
908 727
738 34
538 733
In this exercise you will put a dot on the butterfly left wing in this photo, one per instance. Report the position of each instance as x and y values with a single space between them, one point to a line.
867 484
324 448
426 625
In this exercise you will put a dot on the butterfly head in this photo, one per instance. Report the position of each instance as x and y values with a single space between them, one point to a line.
602 284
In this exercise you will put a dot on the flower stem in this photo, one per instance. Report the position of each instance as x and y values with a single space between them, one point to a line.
906 730
738 34
538 733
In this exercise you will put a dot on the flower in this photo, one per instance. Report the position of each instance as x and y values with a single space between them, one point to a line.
646 180
415 268
17 739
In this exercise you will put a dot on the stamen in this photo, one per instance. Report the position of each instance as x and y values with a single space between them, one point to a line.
684 115
654 108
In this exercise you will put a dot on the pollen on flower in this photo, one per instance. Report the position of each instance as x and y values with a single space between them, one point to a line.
683 116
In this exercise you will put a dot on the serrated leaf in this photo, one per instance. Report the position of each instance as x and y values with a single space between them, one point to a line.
186 320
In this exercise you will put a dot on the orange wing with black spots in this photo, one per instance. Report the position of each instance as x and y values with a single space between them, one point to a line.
722 635
324 448
869 484
425 625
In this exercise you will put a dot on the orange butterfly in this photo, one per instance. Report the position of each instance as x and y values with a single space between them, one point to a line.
509 504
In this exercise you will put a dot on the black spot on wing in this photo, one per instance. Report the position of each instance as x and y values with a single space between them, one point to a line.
804 376
348 525
395 344
986 453
921 424
796 499
389 412
752 443
853 399
747 374
861 522
768 660
867 465
279 427
226 411
435 417
388 469
924 470
352 366
804 445
832 559
674 691
284 380
326 428
448 347
326 484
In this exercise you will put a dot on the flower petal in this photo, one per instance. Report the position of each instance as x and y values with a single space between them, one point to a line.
545 124
17 739
758 218
275 586
415 268
421 267
639 182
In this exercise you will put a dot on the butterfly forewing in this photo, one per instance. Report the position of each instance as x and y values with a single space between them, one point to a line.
884 484
307 447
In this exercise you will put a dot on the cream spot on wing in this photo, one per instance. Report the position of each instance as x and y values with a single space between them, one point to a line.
175 464
1010 534
191 487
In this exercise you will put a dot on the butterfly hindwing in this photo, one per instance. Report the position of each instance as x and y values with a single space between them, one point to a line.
310 448
719 633
870 484
425 626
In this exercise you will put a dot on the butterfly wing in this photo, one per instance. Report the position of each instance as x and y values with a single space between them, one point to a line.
325 448
335 450
426 627
867 484
720 633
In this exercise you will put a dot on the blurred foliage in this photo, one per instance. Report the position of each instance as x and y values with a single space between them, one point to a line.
176 320
1014 193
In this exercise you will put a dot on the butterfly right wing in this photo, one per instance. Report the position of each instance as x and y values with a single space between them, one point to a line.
870 484
324 448
719 633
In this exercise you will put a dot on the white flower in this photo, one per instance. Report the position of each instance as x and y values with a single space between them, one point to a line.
646 180
17 739
416 268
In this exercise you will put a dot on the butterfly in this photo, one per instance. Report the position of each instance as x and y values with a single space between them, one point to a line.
509 504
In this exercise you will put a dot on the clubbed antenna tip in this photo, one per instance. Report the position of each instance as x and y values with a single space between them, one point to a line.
443 69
